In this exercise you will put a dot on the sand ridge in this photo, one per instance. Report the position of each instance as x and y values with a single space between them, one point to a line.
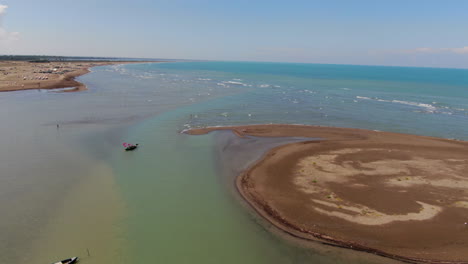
314 172
396 195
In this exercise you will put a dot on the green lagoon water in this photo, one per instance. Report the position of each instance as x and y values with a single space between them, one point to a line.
187 212
72 190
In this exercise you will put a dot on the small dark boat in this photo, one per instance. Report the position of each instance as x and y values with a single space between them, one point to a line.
68 261
131 147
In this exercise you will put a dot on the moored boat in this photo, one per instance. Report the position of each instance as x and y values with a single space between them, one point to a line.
68 261
131 147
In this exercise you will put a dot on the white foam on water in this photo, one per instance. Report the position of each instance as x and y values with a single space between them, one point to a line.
429 108
235 83
308 91
363 97
58 89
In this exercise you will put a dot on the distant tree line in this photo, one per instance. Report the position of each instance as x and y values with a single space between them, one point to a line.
31 58
45 58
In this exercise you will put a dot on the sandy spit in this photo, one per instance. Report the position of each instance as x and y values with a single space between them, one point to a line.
23 75
395 195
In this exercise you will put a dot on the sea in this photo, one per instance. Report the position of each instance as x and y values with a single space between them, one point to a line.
68 188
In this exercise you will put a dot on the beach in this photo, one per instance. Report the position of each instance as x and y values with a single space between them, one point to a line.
234 132
25 75
395 195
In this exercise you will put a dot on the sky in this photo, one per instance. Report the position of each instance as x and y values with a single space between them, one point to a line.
424 33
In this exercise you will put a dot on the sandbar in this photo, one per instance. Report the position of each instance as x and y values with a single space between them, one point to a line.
396 195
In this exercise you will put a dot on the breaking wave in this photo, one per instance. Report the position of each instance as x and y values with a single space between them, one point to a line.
428 108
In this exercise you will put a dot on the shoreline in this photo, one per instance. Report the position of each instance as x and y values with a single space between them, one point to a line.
23 75
262 196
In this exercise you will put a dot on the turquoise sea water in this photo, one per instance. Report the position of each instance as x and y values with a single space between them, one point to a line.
423 101
172 200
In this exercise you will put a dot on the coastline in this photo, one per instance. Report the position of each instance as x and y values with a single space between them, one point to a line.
22 75
262 193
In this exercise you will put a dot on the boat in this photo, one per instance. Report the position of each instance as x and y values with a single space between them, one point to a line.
68 261
131 147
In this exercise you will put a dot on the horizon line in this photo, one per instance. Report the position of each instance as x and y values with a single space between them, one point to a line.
246 61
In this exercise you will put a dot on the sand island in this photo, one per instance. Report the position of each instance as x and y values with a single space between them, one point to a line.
400 196
26 75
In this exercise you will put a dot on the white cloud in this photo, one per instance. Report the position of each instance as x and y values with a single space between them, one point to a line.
3 9
423 50
6 36
463 50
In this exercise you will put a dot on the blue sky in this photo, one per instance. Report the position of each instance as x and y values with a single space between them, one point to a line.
404 33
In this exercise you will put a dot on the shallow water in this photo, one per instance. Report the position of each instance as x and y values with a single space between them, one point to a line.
184 209
71 190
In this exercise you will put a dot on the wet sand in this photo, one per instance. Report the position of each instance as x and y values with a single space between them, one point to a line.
400 196
23 75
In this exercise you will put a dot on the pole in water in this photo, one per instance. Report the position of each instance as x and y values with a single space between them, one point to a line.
88 252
